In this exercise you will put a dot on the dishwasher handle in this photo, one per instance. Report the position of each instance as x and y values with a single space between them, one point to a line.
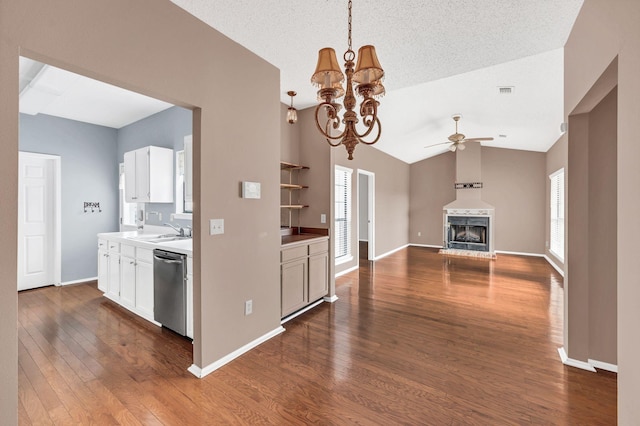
165 260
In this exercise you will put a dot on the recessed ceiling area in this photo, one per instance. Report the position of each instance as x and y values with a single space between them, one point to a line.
45 89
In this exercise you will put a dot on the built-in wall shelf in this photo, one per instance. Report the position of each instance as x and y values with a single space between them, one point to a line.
291 185
293 206
291 166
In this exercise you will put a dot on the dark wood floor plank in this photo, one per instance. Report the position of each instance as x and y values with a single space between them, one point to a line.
415 338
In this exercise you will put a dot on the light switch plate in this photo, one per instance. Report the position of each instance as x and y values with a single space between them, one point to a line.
251 190
323 218
216 226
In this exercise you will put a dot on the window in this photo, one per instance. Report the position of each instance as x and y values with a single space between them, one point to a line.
127 210
343 214
184 184
556 244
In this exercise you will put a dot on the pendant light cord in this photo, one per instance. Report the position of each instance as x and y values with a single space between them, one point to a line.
349 55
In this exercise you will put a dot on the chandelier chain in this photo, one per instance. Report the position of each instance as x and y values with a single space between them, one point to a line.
350 26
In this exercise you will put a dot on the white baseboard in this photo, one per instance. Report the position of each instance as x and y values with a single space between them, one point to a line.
301 311
604 365
346 271
82 281
391 252
574 362
425 245
553 264
202 372
330 299
519 253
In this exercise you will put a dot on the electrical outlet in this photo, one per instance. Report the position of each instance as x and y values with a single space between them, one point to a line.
419 234
323 218
159 217
248 307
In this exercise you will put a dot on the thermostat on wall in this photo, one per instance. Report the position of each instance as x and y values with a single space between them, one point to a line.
250 189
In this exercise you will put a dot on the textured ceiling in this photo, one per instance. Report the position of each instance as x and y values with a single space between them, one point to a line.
448 52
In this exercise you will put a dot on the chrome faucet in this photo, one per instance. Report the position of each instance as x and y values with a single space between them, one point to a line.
178 229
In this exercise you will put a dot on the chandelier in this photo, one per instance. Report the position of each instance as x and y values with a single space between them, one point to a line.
292 113
367 79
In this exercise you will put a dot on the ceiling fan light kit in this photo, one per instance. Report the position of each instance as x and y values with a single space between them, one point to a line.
457 140
365 79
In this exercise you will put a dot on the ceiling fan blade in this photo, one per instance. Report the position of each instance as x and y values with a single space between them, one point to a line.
477 139
442 143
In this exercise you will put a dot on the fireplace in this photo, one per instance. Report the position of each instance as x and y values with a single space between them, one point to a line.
467 233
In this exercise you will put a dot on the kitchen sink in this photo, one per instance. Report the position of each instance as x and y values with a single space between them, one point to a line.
167 238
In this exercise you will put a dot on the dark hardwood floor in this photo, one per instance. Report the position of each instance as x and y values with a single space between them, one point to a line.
415 338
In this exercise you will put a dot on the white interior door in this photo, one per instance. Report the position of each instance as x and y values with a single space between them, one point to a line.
38 251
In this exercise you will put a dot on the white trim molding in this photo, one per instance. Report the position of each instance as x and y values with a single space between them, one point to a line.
301 311
574 362
391 252
330 299
426 245
603 365
202 372
346 271
555 266
520 253
82 281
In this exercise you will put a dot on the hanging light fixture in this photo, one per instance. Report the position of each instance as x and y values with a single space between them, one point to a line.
366 77
292 113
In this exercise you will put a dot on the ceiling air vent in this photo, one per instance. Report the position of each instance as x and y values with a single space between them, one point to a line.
505 90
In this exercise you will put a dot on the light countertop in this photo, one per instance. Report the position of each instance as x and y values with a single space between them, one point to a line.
181 246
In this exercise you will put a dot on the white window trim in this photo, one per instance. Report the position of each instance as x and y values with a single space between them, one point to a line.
180 214
560 256
349 256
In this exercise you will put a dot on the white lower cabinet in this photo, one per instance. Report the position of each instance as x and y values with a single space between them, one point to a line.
304 275
125 275
144 288
190 297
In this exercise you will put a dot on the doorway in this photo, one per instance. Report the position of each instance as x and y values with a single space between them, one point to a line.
366 215
39 222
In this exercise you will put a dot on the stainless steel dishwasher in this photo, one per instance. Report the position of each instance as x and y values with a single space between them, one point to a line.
170 290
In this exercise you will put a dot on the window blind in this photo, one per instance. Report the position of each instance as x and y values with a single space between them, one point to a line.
342 212
556 239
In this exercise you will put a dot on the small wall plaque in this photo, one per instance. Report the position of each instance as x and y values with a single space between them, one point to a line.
468 185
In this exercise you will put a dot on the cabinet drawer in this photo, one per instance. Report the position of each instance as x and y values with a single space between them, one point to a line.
114 247
293 253
127 250
144 255
321 247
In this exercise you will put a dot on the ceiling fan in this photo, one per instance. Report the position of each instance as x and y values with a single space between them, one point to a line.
457 140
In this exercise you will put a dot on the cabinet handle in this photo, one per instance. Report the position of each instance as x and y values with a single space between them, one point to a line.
132 263
134 198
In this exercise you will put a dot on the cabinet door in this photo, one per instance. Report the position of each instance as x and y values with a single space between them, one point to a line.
130 177
190 306
142 174
128 281
188 169
318 276
294 286
114 276
144 289
103 271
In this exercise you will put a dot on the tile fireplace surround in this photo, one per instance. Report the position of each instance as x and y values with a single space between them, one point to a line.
484 249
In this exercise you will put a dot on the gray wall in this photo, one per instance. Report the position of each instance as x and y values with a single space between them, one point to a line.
165 129
89 172
431 189
514 183
363 202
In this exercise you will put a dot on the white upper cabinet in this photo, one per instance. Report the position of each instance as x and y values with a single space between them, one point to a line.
188 169
148 175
